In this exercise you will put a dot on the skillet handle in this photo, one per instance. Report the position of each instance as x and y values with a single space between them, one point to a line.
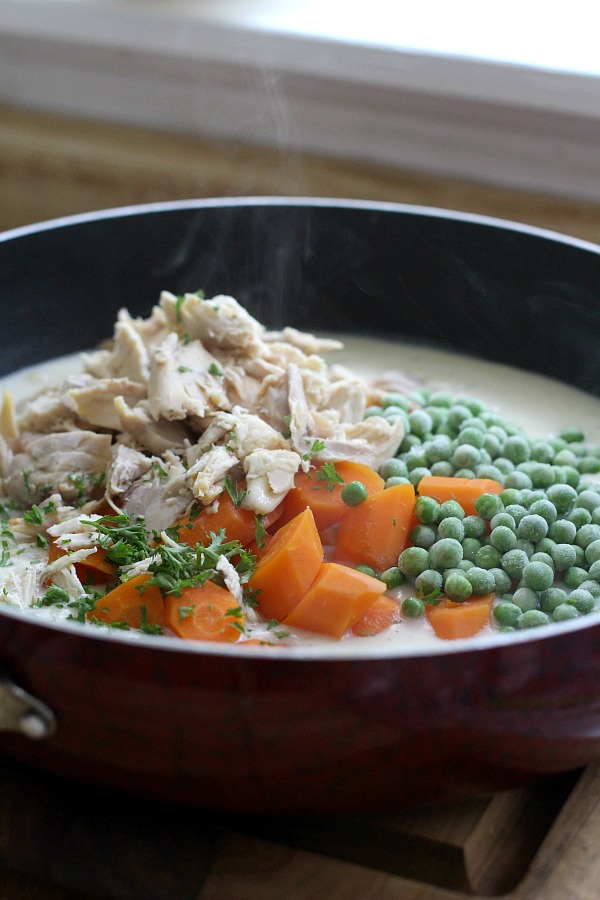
21 712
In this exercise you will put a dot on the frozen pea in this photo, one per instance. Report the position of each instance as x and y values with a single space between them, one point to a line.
538 576
438 449
527 547
471 435
392 578
542 451
545 509
507 613
533 618
490 471
563 496
451 527
574 576
564 612
518 480
503 538
582 600
540 556
551 598
415 458
589 465
457 414
466 457
580 517
427 510
392 468
417 473
505 519
409 442
572 434
420 423
564 457
458 587
482 580
488 505
504 465
488 557
465 564
423 536
587 534
532 528
413 561
542 475
517 511
445 553
471 546
492 444
509 496
592 586
592 552
475 526
531 497
354 493
428 581
588 499
516 449
440 398
502 581
594 571
443 468
545 545
451 508
396 479
525 598
564 557
514 562
562 531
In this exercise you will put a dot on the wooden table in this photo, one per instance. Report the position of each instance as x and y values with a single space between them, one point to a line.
58 842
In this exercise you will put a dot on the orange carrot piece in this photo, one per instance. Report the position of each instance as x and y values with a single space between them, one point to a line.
451 620
207 613
239 523
336 600
376 532
325 499
124 604
382 613
464 490
285 572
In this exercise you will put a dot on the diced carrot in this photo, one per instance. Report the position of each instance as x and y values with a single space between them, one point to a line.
382 613
336 600
207 613
325 497
451 620
239 523
464 490
285 572
124 604
376 532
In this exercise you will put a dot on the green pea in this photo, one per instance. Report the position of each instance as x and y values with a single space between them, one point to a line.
428 581
441 398
516 511
551 598
502 581
592 552
366 570
592 586
395 400
488 505
354 493
582 600
589 465
545 546
471 435
588 499
540 556
471 547
572 434
503 538
427 510
420 423
580 517
475 527
413 607
545 509
438 448
393 468
518 480
451 508
457 414
446 553
481 580
451 527
538 576
507 613
392 578
532 528
516 449
488 557
587 534
443 468
562 531
413 561
417 473
574 576
563 497
490 471
525 598
533 618
396 479
542 451
565 611
514 562
564 557
423 536
458 587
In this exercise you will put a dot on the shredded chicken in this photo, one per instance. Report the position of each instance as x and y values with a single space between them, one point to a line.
177 403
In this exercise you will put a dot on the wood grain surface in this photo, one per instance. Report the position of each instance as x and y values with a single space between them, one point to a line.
52 166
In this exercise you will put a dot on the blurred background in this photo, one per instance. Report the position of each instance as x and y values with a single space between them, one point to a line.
466 106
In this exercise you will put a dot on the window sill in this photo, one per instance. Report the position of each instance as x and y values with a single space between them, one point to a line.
281 74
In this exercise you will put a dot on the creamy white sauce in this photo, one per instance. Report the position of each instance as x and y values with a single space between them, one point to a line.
540 405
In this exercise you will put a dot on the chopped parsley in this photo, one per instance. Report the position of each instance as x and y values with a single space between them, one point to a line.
214 369
330 475
236 494
317 445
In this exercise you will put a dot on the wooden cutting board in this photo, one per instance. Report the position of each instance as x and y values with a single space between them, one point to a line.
62 841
